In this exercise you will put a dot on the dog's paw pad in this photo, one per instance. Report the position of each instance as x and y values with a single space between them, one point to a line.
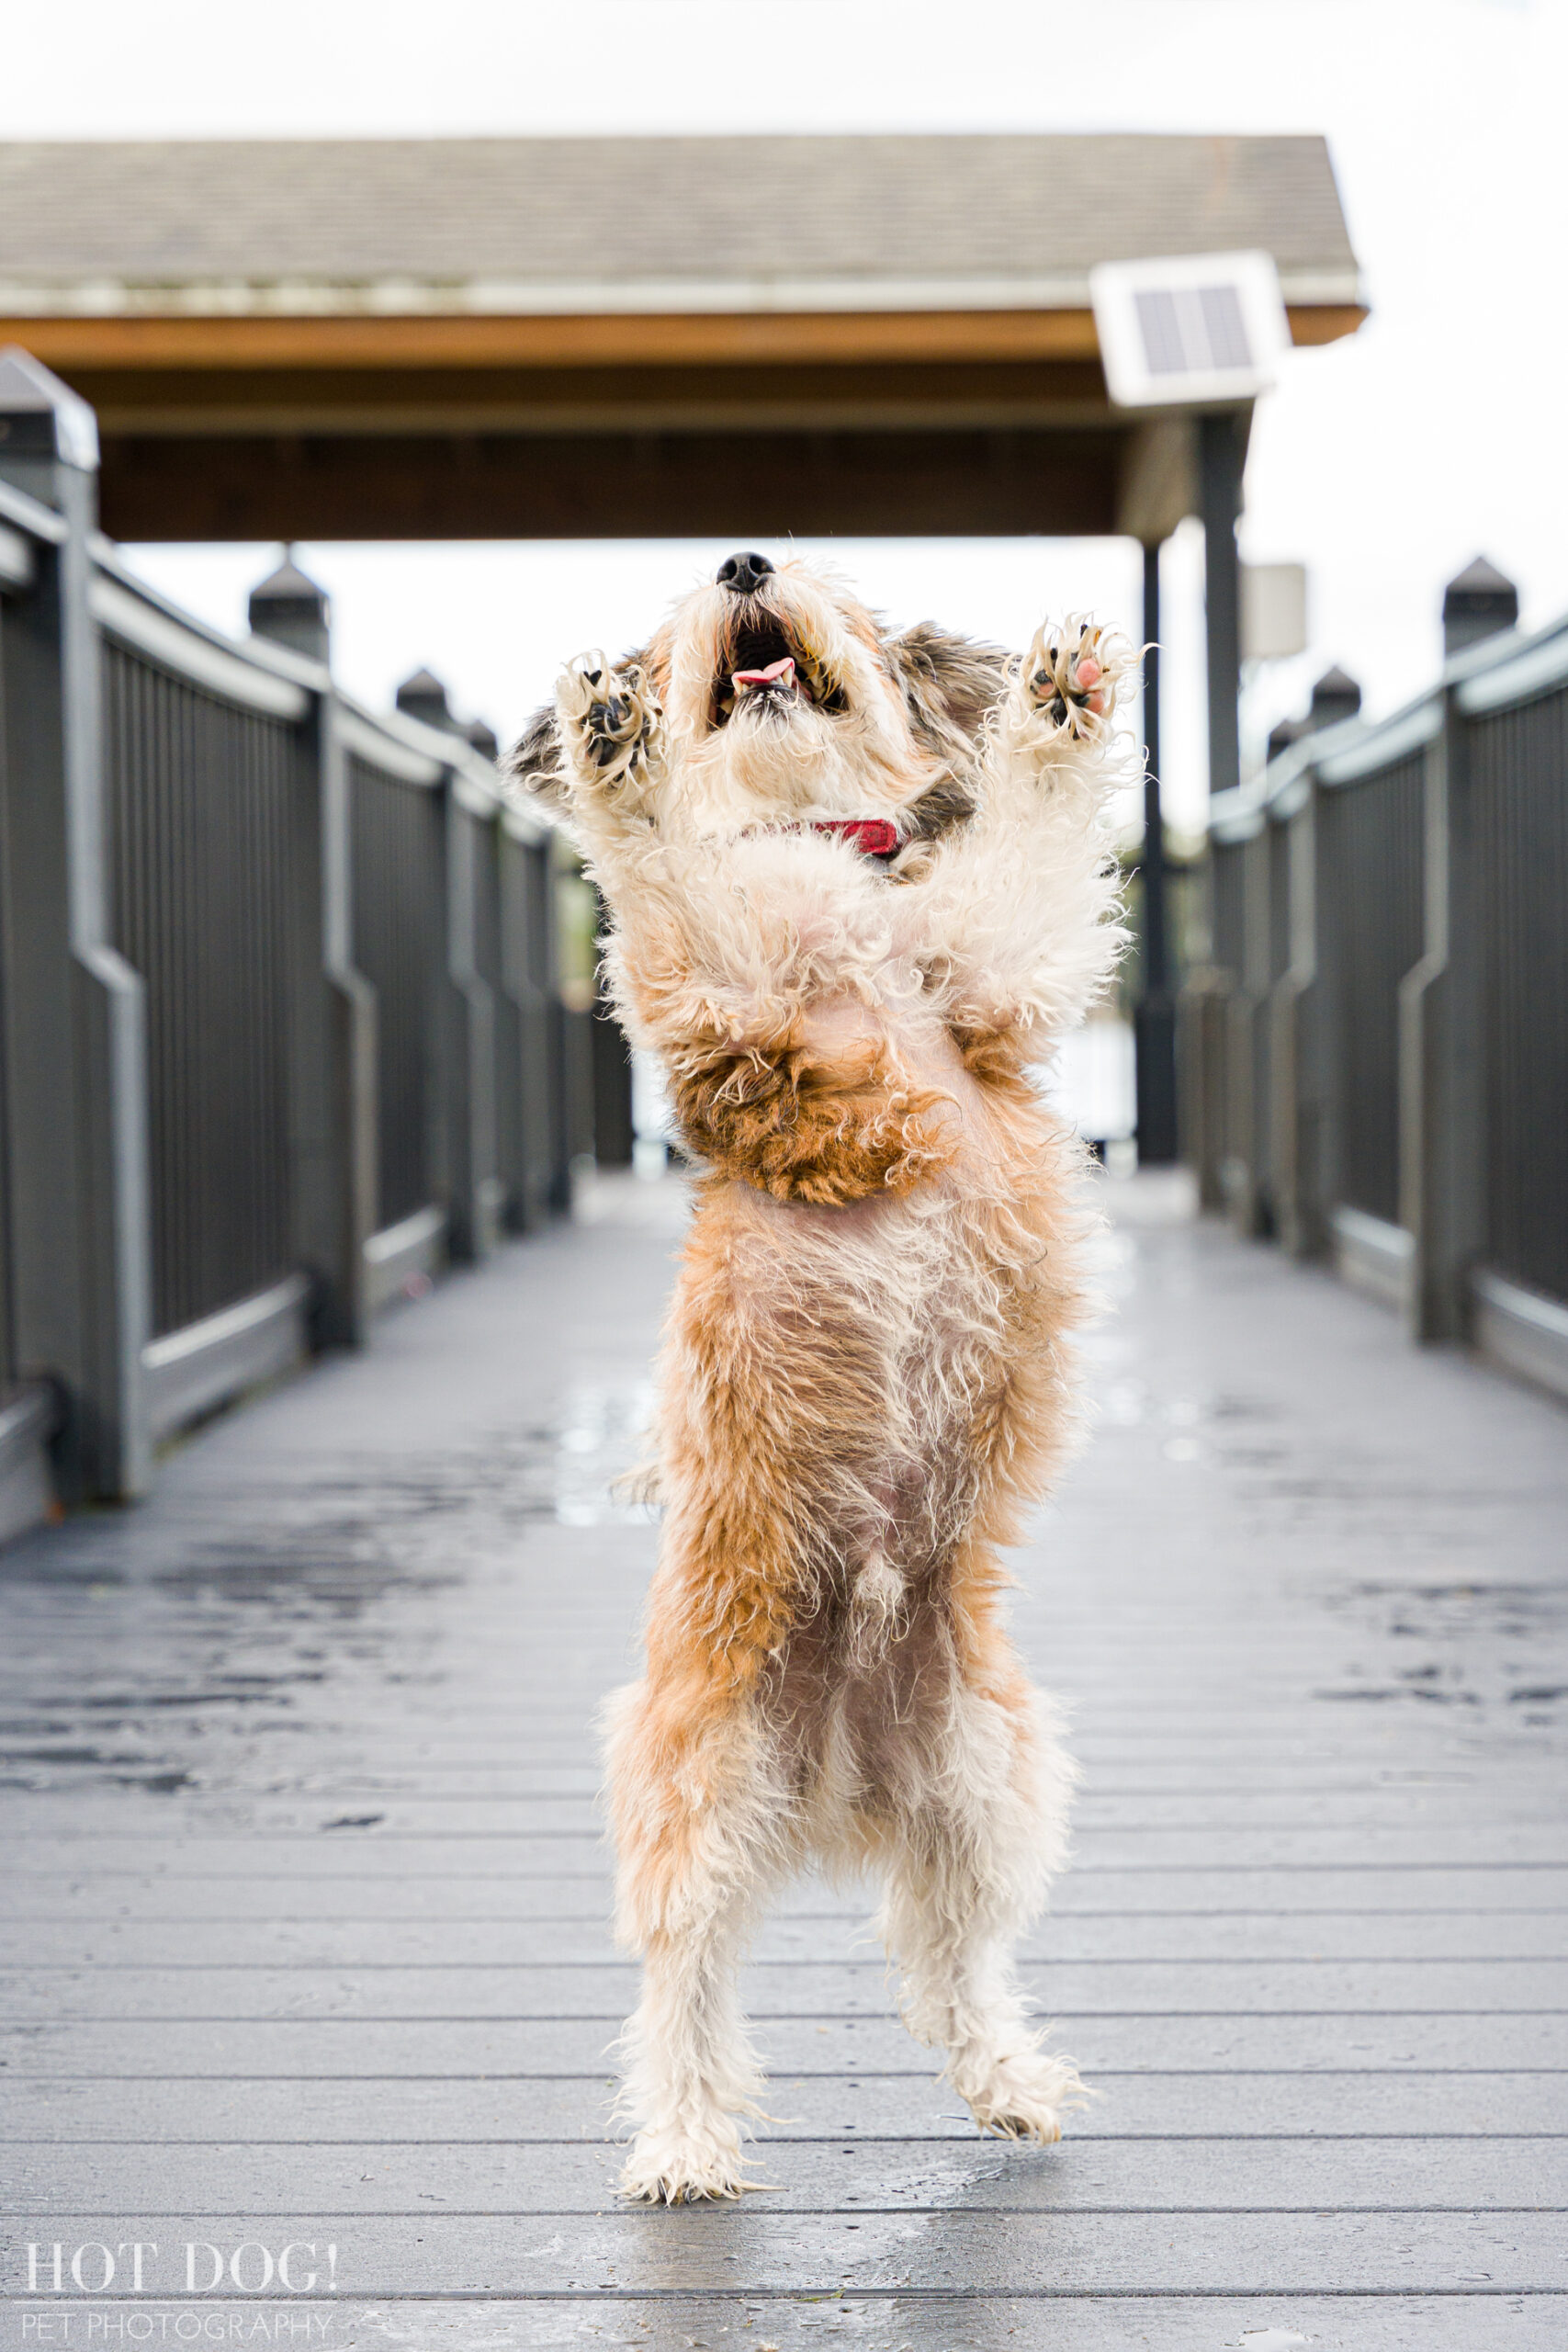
611 719
1070 676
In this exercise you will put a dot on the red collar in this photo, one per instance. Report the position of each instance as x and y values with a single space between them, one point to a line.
873 836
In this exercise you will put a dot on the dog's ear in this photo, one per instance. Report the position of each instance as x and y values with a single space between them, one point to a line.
950 683
532 766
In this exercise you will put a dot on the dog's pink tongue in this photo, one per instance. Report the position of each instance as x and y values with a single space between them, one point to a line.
777 673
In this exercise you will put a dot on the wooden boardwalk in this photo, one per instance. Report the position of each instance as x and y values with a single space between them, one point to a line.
304 1935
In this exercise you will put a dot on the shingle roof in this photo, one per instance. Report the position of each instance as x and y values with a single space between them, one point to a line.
571 223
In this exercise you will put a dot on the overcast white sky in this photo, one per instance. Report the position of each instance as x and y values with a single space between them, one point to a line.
1384 463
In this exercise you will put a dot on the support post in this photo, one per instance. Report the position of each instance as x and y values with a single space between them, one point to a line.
1442 1104
1221 448
76 1041
332 1062
1442 1045
528 965
1297 1051
613 1131
355 1050
469 1046
1154 1020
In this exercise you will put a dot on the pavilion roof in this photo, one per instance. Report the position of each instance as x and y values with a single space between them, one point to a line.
595 224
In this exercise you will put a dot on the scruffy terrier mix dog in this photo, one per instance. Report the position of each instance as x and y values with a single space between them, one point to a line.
860 885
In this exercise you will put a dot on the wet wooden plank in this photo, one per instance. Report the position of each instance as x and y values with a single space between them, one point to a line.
1166 1769
1176 2108
1082 2175
1105 1821
1109 1940
747 2251
308 2050
361 1890
949 2323
945 2323
603 1986
360 1845
1310 1952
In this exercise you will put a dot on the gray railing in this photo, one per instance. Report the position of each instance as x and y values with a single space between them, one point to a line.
399 916
1519 783
200 790
1371 883
1390 962
296 1004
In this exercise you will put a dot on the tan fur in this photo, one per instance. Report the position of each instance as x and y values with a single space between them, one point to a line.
866 1380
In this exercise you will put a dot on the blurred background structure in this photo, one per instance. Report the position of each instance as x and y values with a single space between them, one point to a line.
668 338
329 1004
1375 1063
833 338
332 1006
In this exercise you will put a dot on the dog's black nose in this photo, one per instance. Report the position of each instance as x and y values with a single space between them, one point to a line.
743 573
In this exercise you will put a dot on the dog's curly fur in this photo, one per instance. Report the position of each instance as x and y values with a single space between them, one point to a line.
867 1376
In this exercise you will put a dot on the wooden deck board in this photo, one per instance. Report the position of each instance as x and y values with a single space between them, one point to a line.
305 1905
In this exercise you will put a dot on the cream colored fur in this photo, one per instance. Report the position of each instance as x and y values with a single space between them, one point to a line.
867 1376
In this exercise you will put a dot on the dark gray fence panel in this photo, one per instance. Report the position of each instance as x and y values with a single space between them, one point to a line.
398 840
614 1133
490 963
1520 778
1213 934
1255 1141
1279 903
574 925
1408 931
1227 868
8 641
198 795
1235 904
271 981
1371 915
534 1150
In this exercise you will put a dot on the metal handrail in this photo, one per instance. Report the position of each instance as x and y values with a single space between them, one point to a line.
1414 1055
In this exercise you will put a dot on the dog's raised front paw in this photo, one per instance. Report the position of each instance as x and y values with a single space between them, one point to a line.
1071 673
679 2164
1025 2096
611 724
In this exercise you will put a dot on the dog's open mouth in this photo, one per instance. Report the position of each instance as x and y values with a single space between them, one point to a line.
763 668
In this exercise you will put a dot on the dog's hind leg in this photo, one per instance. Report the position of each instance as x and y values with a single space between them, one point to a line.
701 1825
968 1854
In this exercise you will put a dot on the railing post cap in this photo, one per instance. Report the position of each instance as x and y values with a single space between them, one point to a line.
1477 603
1335 697
424 696
41 417
1482 578
291 609
485 741
289 584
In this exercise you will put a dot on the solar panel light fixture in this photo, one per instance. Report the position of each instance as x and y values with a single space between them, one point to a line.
1189 330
